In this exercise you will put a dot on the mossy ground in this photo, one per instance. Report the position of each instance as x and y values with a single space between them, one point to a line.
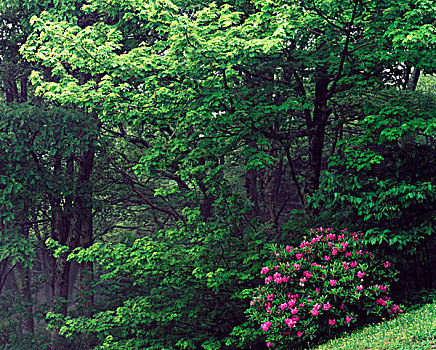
413 330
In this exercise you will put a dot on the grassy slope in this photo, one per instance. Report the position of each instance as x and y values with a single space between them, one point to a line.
413 330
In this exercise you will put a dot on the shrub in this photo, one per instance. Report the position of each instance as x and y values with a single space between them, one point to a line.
316 289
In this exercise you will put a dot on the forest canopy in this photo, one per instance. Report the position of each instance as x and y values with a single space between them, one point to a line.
155 154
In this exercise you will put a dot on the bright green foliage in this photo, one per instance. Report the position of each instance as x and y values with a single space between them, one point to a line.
212 95
178 289
411 331
211 79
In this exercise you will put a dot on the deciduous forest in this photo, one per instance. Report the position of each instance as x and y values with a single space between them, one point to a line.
236 174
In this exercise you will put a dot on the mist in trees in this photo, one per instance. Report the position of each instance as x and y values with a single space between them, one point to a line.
153 153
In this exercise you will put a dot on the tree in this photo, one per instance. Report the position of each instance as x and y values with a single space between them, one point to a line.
46 165
212 92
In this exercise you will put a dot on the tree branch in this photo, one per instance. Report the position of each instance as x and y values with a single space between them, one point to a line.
344 51
146 200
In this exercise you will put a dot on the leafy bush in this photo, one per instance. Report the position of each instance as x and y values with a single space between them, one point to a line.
316 289
177 290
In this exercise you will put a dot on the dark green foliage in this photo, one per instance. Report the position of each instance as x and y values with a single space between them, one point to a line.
383 179
164 145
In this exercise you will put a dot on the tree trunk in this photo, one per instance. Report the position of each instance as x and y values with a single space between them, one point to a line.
23 88
413 81
22 276
61 229
11 91
61 273
250 185
316 138
85 232
72 226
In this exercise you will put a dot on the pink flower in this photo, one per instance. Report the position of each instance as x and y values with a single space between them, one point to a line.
294 311
304 244
266 325
360 274
268 344
343 306
283 306
270 297
264 270
335 251
290 323
327 306
331 236
299 256
353 264
303 279
348 254
307 274
315 310
359 287
268 279
299 334
332 322
383 288
333 283
286 278
289 249
387 264
348 319
327 258
395 308
381 302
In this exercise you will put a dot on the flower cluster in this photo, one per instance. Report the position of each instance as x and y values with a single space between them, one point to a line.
320 286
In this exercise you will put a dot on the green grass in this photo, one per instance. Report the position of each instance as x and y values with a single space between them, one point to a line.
414 330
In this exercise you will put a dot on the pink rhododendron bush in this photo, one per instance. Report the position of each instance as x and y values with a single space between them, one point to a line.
315 290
